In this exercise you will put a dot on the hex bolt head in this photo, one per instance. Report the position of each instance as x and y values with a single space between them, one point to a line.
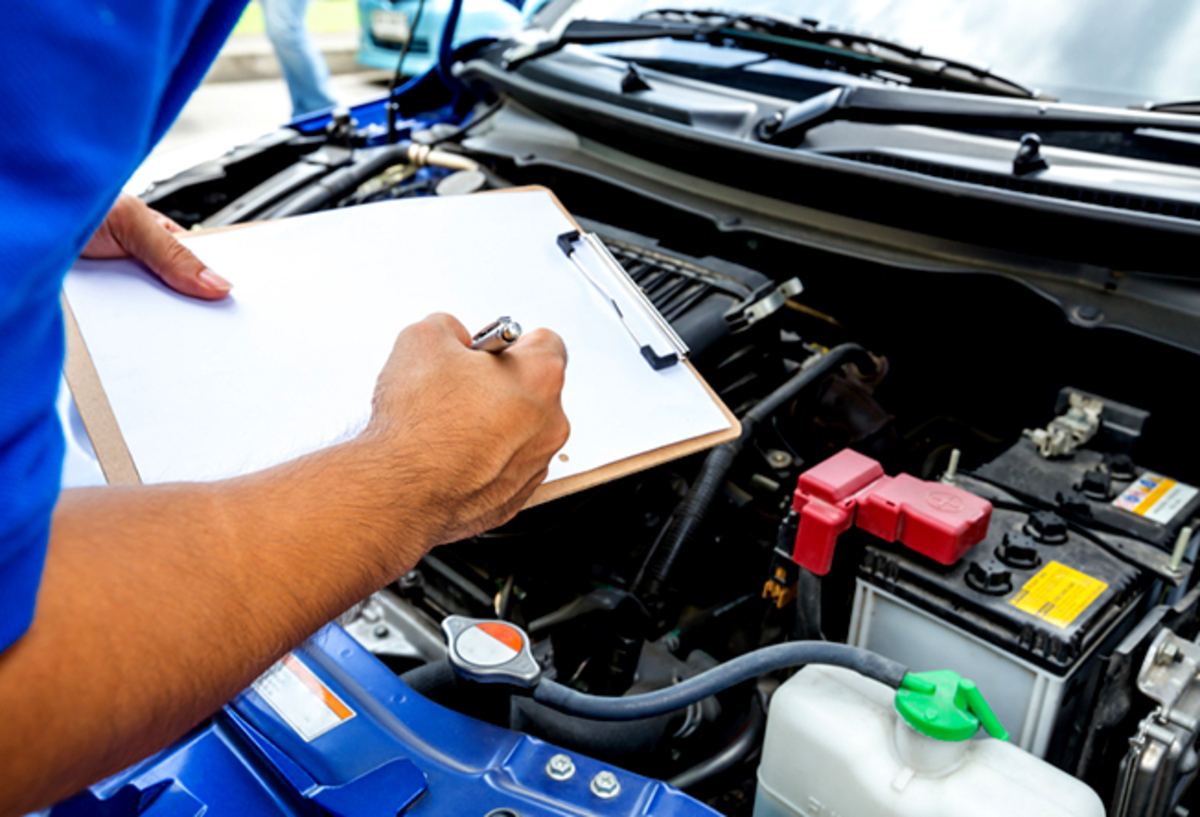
560 767
605 785
1168 653
779 460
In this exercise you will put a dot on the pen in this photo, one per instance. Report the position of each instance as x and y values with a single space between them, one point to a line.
497 335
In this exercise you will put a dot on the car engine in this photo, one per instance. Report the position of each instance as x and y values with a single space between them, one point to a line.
877 401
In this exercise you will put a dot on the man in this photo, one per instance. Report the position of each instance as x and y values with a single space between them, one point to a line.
303 67
129 614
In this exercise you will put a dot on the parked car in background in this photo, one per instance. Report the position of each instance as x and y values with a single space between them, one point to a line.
387 24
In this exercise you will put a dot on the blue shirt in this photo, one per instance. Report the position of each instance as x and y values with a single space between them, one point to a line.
87 87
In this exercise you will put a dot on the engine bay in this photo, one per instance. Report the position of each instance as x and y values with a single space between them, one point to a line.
1070 602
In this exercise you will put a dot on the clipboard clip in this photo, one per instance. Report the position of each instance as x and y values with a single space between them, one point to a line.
567 242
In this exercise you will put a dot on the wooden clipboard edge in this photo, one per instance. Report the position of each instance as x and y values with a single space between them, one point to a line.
94 409
117 463
549 491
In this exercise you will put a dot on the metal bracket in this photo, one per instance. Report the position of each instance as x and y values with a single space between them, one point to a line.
760 304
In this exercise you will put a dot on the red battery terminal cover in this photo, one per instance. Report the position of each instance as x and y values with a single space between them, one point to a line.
848 489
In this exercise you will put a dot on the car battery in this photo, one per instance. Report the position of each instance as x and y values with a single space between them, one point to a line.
1097 484
1029 613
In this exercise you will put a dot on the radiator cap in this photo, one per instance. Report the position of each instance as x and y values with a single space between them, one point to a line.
490 652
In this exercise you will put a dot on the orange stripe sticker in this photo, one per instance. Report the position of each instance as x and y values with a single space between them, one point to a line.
506 635
314 683
298 697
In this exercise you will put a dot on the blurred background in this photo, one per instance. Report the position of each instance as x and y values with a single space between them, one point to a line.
244 96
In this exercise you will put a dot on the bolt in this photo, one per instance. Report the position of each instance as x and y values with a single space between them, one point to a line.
1168 653
950 477
605 785
560 767
381 631
779 460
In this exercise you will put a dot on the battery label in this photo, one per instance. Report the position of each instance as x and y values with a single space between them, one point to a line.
1057 594
301 699
1155 497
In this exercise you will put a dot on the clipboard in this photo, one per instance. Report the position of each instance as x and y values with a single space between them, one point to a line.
117 462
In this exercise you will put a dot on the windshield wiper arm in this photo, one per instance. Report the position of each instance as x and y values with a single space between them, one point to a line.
594 32
874 54
805 43
942 109
1187 106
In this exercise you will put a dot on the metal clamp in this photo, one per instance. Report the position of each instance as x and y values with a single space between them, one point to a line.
759 305
567 242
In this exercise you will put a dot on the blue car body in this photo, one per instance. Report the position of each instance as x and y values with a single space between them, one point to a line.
394 751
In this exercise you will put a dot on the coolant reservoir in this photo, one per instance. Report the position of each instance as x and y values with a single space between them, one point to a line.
840 745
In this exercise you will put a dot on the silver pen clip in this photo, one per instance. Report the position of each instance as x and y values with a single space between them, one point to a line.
497 335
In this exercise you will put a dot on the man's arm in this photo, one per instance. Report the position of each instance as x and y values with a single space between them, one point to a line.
159 603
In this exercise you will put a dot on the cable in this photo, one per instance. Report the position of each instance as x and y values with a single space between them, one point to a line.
686 520
741 746
446 49
393 107
718 679
341 181
466 126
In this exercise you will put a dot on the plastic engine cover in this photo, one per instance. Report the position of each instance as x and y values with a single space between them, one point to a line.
330 730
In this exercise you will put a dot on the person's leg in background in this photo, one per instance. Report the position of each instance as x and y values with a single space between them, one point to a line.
304 68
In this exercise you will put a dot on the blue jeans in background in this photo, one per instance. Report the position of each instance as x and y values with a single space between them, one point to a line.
304 68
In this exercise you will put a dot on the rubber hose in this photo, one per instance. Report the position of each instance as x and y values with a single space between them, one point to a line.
731 755
731 673
686 521
343 181
429 678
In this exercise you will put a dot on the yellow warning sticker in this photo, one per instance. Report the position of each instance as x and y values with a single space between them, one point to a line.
1057 594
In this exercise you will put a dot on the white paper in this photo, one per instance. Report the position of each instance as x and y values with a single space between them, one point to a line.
287 364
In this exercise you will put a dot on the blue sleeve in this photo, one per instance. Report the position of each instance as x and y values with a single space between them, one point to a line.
87 87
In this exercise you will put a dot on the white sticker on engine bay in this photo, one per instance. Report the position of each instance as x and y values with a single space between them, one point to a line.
301 699
1155 497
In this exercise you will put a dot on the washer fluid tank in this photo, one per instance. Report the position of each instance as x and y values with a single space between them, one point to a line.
840 745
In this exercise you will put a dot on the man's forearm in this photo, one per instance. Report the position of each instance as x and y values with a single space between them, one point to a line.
160 603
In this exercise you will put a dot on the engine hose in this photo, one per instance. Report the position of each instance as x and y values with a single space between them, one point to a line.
746 741
343 181
429 678
677 535
710 682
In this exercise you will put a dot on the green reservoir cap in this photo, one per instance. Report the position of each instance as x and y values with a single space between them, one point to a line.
946 706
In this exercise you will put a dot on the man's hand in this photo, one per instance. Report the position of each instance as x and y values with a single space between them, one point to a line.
133 230
477 430
193 589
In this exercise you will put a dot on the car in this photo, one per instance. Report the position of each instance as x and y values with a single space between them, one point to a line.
956 309
386 25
